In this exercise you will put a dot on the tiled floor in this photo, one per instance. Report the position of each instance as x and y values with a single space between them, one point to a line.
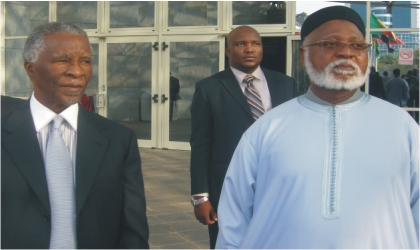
170 215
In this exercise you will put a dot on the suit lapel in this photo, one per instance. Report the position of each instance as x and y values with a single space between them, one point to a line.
274 87
231 84
20 141
91 149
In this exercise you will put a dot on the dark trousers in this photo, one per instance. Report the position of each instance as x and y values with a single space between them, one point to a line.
213 231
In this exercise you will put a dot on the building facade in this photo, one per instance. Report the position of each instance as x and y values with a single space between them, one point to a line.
137 45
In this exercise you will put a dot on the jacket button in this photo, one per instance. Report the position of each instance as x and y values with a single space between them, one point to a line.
47 218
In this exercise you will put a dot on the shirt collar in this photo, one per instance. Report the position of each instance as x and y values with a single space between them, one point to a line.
239 75
43 115
312 97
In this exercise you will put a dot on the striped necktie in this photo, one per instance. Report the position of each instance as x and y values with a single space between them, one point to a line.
253 97
59 172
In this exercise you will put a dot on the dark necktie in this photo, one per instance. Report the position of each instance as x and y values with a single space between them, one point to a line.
253 97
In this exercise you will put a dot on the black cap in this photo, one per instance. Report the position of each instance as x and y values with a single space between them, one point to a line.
331 13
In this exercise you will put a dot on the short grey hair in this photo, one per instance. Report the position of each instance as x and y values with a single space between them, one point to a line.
35 43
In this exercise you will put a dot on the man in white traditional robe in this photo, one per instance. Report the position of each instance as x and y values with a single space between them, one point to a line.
334 168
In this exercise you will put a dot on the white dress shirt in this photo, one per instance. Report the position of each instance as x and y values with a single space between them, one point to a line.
42 116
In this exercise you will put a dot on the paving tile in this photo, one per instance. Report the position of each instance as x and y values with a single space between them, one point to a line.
174 217
171 218
186 245
203 244
186 226
195 235
166 239
183 206
163 228
155 210
152 220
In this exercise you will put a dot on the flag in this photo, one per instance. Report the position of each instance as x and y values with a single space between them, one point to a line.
387 37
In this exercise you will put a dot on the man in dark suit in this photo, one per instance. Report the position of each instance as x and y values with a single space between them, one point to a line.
107 202
220 114
173 94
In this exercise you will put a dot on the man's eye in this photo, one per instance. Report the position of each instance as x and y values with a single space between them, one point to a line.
358 45
329 44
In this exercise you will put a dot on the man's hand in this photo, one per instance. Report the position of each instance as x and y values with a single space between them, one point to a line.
205 213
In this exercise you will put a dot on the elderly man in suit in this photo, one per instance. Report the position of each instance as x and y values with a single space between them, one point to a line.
224 106
69 178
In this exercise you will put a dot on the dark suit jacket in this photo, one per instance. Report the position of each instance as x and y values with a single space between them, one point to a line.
110 201
220 115
10 103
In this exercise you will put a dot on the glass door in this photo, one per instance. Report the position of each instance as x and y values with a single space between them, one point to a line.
187 61
126 93
293 66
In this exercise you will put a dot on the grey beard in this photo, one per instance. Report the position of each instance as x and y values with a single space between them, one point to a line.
326 78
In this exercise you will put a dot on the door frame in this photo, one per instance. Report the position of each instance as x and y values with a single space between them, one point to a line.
164 88
103 88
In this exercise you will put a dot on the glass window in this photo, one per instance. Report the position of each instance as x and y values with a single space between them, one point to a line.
396 14
258 12
132 14
192 13
23 17
17 81
305 8
190 63
129 82
386 57
92 88
298 72
83 13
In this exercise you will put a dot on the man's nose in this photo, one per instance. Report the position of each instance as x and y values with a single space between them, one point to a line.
249 47
346 50
75 69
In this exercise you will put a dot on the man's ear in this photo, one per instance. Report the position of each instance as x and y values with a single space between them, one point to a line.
29 67
227 52
302 56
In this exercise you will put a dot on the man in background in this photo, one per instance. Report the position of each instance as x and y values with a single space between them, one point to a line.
396 90
223 107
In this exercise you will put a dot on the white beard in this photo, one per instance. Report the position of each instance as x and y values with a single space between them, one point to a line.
326 78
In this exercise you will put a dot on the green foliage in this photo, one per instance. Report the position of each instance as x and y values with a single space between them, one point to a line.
389 62
300 18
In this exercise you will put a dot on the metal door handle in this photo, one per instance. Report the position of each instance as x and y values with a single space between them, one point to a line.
155 98
164 98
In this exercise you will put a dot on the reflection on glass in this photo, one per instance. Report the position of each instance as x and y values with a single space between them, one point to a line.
258 12
82 13
125 14
415 115
192 13
393 14
23 17
92 88
190 63
298 72
305 8
17 81
129 80
398 50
